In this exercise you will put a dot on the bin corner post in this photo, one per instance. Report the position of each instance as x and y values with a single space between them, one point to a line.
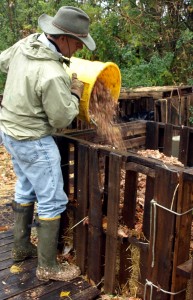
162 235
183 229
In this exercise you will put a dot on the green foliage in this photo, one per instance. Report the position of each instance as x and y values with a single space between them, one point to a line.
191 115
156 72
151 41
2 82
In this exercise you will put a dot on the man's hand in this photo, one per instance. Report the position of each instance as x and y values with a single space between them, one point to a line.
77 86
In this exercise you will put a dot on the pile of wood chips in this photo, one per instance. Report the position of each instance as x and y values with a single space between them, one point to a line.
170 160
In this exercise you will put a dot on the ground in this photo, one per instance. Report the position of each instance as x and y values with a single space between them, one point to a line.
7 183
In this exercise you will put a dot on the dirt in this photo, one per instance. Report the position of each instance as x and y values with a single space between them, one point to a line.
7 185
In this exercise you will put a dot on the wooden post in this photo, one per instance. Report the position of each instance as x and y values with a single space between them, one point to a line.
82 207
95 218
129 209
168 132
183 230
152 135
183 148
63 147
115 161
162 234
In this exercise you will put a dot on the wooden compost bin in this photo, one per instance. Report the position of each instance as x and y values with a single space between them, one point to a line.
167 104
95 179
148 135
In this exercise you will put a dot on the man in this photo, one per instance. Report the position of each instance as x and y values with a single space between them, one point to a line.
39 97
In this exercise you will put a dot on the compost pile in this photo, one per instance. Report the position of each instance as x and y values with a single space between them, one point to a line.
170 160
102 111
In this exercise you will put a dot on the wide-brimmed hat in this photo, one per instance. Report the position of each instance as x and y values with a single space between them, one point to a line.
71 21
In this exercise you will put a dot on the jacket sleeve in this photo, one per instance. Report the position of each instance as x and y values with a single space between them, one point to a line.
5 58
60 106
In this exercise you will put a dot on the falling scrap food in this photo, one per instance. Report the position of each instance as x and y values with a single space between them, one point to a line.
102 110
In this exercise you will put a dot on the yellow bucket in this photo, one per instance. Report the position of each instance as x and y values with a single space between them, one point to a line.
89 72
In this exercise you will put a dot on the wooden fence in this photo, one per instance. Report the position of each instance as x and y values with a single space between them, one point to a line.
167 104
95 180
149 135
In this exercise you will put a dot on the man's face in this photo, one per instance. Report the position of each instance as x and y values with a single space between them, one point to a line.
68 45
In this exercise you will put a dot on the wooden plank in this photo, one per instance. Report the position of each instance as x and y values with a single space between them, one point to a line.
128 213
19 283
168 134
25 285
106 184
151 135
5 255
140 169
5 264
153 92
76 288
185 269
88 294
175 117
6 240
115 162
183 147
149 194
25 265
82 207
75 171
64 150
190 150
95 218
135 142
169 107
184 107
162 234
183 229
10 288
164 112
130 194
160 110
131 129
136 242
6 234
6 248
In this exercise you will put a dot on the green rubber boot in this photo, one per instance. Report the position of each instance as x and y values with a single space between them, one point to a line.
23 217
48 267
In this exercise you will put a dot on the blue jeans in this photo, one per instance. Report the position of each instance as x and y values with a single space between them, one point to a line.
39 177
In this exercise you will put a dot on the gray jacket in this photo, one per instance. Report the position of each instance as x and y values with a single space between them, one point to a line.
37 98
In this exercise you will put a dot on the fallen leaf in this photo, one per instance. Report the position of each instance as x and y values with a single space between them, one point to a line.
15 269
4 228
64 294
